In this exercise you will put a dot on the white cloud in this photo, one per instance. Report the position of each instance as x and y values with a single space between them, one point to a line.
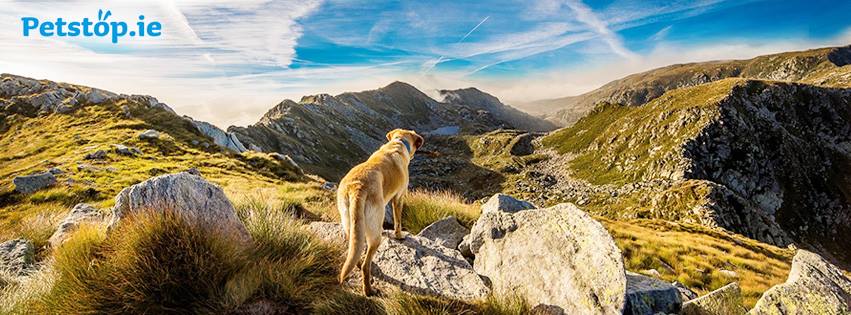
587 16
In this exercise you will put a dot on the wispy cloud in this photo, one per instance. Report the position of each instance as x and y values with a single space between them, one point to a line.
587 16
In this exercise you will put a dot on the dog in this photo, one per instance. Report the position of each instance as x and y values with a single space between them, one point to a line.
365 191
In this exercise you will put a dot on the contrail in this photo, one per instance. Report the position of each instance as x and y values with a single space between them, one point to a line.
474 28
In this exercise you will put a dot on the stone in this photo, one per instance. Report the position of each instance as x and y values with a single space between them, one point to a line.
187 195
418 265
415 264
125 150
287 161
97 155
447 232
505 203
149 134
81 213
726 300
646 295
31 183
559 257
522 145
17 256
685 293
330 186
220 137
814 286
728 274
55 171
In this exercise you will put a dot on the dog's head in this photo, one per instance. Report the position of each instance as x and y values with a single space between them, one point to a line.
415 140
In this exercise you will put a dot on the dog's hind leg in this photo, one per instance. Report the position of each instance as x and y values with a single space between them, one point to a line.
373 240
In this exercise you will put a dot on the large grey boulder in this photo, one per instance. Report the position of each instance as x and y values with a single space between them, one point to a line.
17 256
646 295
814 286
220 137
685 293
187 195
81 213
149 134
558 257
416 264
505 203
447 232
31 183
726 300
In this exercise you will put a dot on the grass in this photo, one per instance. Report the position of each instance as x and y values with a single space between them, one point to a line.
422 208
693 255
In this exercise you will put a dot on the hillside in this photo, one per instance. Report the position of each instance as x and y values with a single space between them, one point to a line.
329 134
824 66
765 159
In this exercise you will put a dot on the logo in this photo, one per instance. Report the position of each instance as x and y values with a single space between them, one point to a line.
87 28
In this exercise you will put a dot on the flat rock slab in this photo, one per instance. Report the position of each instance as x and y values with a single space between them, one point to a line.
814 286
558 258
31 183
648 296
726 300
447 232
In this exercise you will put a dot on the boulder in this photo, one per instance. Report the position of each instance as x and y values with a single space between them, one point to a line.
522 145
125 150
187 195
646 295
418 265
287 161
97 155
149 134
559 257
685 293
55 171
415 264
79 214
447 232
17 256
727 300
220 137
814 286
31 183
505 203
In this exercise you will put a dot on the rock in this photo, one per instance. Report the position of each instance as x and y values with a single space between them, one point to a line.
193 171
287 161
651 273
685 293
418 265
149 134
646 295
55 171
328 231
220 137
522 145
97 155
727 300
558 256
330 186
188 195
814 286
505 203
97 96
125 150
728 274
79 214
31 183
447 232
17 256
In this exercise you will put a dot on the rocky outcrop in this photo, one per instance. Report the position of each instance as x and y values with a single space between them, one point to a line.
80 214
726 300
416 264
17 256
187 195
685 293
447 232
220 137
476 99
814 286
31 183
581 273
649 296
505 203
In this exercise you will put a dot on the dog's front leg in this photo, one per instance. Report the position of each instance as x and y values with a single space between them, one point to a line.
396 204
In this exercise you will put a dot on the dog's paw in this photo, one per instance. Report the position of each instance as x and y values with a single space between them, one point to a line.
399 235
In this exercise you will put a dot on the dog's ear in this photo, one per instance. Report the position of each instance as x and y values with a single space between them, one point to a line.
418 141
391 134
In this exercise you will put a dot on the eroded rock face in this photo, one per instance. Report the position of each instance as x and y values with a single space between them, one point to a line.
559 257
505 203
31 183
187 195
447 232
17 256
220 137
726 300
79 214
814 286
646 295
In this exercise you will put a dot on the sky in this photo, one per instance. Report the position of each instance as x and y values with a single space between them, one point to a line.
228 62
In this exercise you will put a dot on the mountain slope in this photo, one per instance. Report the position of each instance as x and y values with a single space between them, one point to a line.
328 134
824 66
765 159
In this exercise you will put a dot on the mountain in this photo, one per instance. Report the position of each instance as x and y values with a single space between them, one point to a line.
328 134
824 66
765 159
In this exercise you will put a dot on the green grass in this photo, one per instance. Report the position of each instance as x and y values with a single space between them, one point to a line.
422 208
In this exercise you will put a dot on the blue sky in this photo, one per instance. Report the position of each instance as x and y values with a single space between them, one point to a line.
228 62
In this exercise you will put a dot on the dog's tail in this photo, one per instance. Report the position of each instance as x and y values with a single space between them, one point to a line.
356 233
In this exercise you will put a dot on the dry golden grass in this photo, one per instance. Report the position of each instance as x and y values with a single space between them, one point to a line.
693 255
